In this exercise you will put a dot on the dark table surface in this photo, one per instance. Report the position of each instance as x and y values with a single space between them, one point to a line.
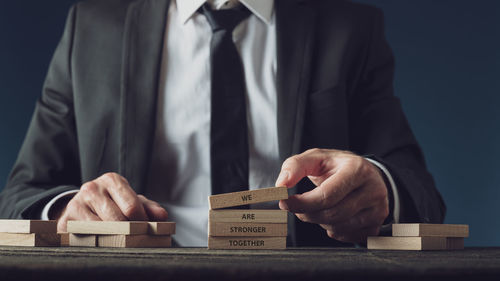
20 263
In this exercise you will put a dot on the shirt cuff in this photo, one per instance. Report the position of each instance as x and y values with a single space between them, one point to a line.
396 211
46 209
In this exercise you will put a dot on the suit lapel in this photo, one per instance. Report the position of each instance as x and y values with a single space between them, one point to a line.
294 26
143 43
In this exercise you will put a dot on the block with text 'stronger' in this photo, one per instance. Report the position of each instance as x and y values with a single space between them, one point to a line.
241 198
235 229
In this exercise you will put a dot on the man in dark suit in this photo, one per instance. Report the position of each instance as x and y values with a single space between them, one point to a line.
101 128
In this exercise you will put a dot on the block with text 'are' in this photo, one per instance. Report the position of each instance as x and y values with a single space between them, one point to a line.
257 216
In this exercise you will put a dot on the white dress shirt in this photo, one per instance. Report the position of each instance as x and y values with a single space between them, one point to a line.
180 171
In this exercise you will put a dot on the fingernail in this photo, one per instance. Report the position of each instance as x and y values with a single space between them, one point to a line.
283 177
283 205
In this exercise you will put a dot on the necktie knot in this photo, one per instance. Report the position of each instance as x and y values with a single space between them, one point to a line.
225 19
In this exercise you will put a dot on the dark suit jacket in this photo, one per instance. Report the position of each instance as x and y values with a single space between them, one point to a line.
97 111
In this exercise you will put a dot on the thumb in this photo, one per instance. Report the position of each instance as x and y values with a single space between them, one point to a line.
299 166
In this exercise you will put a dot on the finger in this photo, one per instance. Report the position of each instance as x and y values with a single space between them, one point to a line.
328 194
124 196
154 211
75 210
352 204
105 207
299 166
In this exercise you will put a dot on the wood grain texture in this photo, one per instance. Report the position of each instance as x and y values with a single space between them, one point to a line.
64 236
82 240
415 243
108 227
247 197
256 216
246 243
30 239
247 229
425 229
28 226
161 228
134 241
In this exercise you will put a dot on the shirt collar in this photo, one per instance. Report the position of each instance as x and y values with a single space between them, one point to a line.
263 9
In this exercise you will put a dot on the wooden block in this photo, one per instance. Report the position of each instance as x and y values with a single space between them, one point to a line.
259 216
415 243
28 226
249 243
108 227
134 241
64 239
161 228
82 240
30 239
425 229
247 229
247 197
455 243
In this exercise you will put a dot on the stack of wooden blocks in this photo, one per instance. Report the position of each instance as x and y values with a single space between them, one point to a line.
30 233
421 236
249 228
121 234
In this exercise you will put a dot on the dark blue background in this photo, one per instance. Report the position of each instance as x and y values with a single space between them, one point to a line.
447 76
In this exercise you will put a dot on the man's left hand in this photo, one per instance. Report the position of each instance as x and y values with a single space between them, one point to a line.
351 199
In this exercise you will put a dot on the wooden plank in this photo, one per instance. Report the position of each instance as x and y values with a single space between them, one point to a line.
415 243
108 227
247 243
247 197
64 239
161 228
28 226
82 240
426 229
134 241
258 216
30 239
247 229
455 243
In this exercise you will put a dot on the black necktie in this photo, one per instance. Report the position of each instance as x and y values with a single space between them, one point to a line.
228 130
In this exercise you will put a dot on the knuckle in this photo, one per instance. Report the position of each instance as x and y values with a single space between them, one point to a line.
89 187
314 151
291 162
114 177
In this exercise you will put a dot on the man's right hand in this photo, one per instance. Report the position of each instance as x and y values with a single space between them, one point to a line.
109 198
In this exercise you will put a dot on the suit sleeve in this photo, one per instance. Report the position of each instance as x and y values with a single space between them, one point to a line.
48 162
379 128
